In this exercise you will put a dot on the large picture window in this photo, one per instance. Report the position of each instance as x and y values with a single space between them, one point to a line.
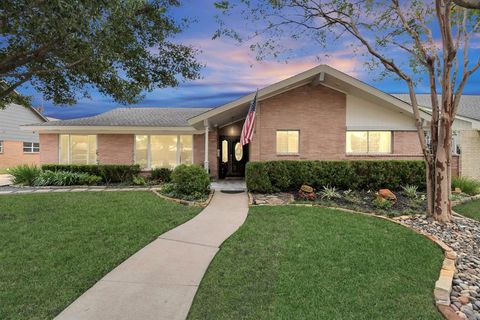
78 149
369 141
288 141
163 151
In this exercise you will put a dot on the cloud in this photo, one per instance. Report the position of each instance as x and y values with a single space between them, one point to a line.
235 66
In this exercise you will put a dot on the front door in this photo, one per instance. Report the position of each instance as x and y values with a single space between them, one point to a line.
233 157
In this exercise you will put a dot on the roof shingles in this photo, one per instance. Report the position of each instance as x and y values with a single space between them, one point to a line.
135 117
469 104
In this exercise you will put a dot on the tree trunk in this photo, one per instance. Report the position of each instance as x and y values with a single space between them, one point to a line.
442 207
430 188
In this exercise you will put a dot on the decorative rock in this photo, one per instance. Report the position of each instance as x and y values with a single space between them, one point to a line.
463 300
386 194
463 236
306 188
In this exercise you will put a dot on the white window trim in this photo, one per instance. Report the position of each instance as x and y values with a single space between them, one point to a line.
149 151
31 147
69 153
368 143
1 146
287 153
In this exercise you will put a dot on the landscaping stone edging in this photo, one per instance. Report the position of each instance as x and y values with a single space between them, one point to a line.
443 286
466 199
186 202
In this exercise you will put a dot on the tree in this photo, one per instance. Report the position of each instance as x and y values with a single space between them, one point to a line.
64 48
379 28
469 4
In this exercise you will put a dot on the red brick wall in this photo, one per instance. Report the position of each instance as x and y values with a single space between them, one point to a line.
320 115
115 148
199 151
406 142
318 112
13 155
48 148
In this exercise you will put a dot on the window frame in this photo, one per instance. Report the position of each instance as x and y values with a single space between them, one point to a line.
69 153
31 148
149 150
1 146
368 143
287 153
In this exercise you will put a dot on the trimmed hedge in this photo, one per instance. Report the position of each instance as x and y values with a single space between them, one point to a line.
289 175
161 174
109 172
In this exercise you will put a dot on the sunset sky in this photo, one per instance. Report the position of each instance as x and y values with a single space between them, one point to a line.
231 70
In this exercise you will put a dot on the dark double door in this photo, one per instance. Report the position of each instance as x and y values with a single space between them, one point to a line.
233 157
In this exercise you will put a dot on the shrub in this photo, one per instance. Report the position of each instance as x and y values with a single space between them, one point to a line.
108 172
383 204
279 175
139 181
330 193
161 174
65 178
256 177
467 185
410 191
272 176
190 180
24 174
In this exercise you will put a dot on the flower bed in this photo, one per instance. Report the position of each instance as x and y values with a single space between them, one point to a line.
366 201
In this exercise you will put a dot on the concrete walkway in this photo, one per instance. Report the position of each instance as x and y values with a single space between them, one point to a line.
160 281
5 180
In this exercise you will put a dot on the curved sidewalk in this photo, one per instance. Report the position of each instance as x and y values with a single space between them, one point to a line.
160 280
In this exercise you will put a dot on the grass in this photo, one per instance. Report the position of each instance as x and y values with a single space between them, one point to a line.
54 246
469 209
291 262
467 185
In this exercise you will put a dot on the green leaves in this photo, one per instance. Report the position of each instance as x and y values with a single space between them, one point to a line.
122 48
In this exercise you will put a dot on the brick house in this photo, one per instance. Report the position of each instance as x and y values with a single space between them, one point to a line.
18 146
321 113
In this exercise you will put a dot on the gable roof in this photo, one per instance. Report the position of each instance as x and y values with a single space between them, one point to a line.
469 104
320 75
133 117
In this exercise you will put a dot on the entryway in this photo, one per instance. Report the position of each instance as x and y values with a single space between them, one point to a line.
233 157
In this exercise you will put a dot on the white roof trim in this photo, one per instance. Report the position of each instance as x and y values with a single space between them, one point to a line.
110 129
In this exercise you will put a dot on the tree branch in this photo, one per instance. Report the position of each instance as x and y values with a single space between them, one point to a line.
469 4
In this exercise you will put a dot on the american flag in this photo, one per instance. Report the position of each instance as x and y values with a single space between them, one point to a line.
247 130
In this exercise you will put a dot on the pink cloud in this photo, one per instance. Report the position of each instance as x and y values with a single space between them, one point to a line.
229 63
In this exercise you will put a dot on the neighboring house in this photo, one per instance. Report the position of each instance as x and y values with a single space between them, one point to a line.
320 114
18 146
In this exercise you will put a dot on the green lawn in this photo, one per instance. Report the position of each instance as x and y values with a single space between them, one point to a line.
470 209
54 246
291 262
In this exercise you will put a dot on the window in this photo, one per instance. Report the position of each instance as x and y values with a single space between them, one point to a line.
288 141
1 146
78 149
163 151
224 151
31 147
369 141
456 148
